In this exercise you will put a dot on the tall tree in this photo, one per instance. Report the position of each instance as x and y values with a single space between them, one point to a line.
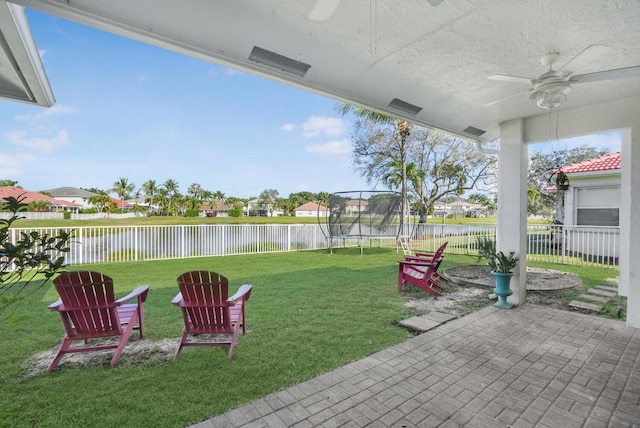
428 164
450 166
150 189
12 183
123 188
301 198
196 196
173 196
269 200
99 201
95 190
390 132
541 202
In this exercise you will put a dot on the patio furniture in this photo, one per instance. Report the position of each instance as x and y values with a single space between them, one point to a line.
89 311
435 258
207 309
420 274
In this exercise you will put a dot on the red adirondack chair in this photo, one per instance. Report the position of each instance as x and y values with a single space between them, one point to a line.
435 258
419 274
421 270
207 309
89 310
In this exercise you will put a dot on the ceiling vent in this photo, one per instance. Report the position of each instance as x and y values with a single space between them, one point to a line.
404 107
472 130
278 61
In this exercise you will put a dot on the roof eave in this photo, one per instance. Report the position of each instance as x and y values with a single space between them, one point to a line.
18 45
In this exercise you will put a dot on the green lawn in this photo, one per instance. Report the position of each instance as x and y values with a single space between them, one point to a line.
309 312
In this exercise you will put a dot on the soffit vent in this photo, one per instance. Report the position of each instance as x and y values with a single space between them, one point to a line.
278 61
472 130
404 106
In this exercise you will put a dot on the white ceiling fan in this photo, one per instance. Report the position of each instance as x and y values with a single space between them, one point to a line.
552 87
323 9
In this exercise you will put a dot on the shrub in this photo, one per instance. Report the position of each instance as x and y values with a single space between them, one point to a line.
66 215
192 213
236 212
29 261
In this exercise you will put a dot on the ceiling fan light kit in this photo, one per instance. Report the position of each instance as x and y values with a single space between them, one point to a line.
548 95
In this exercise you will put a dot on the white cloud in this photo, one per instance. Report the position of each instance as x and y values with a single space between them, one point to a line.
38 143
288 127
329 126
335 147
217 71
42 52
56 110
13 167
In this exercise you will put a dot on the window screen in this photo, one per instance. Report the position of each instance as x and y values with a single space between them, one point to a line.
598 216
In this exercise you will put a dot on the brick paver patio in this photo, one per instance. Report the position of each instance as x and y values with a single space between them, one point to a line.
531 366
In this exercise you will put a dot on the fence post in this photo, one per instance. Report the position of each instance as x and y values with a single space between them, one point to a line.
182 242
136 231
288 238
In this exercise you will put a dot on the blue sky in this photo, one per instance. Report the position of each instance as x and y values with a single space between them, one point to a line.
127 109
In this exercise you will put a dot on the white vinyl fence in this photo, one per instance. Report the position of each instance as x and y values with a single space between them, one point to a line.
575 245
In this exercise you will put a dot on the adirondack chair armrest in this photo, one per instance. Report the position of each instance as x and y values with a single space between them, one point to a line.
56 306
177 300
243 293
416 263
140 292
422 254
419 259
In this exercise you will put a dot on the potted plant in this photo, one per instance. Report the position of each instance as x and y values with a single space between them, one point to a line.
502 266
561 179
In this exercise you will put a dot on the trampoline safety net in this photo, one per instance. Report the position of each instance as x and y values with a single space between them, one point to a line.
363 214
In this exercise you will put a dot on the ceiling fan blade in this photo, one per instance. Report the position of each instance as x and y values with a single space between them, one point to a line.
505 78
584 58
435 2
517 94
323 9
618 73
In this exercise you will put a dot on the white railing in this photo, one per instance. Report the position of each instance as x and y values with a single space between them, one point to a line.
575 245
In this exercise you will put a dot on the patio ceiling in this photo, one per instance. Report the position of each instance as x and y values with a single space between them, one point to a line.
436 58
22 77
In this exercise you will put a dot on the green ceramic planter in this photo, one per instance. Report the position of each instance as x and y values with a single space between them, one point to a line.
502 289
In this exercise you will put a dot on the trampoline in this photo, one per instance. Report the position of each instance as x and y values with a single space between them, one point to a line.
363 215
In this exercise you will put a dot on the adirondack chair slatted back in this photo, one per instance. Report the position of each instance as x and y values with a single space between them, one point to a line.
205 306
89 303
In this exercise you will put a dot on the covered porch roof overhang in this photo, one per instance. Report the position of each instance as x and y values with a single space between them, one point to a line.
429 63
22 75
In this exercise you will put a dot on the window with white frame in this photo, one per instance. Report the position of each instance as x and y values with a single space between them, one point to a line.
598 206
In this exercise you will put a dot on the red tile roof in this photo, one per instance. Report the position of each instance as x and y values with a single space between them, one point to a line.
18 193
612 161
311 206
120 203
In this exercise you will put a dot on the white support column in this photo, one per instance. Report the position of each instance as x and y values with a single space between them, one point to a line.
629 281
512 202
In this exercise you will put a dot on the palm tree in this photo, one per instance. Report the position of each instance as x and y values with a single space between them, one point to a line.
123 188
162 200
173 194
402 131
150 189
196 195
